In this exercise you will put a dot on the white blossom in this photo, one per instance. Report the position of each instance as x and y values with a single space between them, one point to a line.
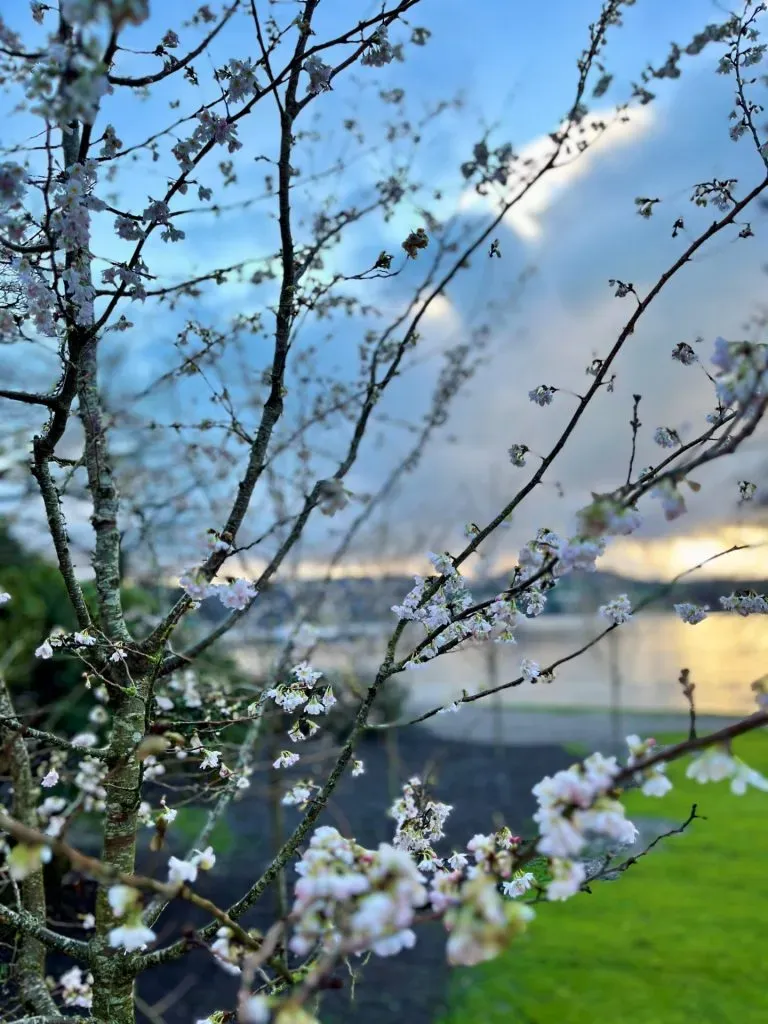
181 871
122 898
666 437
211 759
76 987
131 937
521 883
713 765
617 611
50 779
285 759
542 395
529 670
568 877
744 776
205 859
45 650
255 1010
691 613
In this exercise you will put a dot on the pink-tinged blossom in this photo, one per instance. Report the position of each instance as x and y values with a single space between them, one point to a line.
242 80
319 75
196 586
237 595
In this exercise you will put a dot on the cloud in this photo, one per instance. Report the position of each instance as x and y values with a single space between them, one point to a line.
526 217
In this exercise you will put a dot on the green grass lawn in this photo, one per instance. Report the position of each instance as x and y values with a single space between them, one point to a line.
680 938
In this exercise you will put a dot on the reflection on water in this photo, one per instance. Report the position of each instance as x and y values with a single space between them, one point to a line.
724 654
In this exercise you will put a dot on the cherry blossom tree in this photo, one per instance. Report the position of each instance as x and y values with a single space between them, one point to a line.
126 144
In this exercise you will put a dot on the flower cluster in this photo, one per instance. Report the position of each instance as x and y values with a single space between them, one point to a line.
665 437
228 951
575 805
380 51
242 80
132 934
691 613
180 872
419 819
236 595
716 764
617 611
299 794
481 923
349 899
653 781
38 297
542 395
517 454
319 75
332 496
745 602
684 353
743 372
606 517
672 501
76 987
302 691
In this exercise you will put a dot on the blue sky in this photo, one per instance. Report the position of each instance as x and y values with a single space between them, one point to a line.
514 65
